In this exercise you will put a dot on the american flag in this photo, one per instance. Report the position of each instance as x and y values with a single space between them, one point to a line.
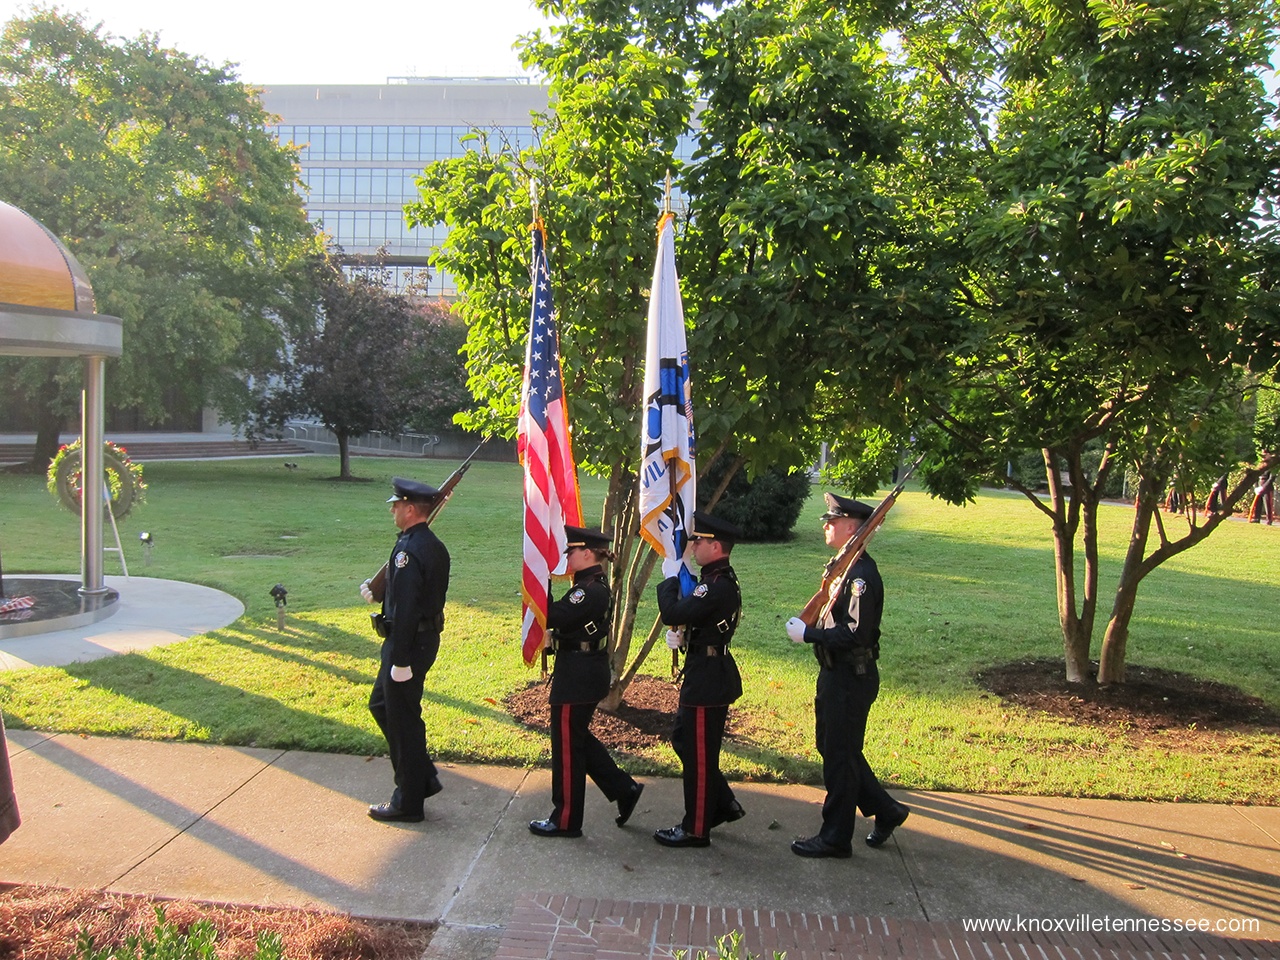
667 475
16 603
551 497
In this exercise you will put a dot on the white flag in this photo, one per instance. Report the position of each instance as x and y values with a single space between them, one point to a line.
667 474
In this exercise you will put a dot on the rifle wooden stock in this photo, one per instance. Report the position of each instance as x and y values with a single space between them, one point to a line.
378 582
838 566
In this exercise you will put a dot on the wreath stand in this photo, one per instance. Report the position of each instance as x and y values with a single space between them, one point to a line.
118 549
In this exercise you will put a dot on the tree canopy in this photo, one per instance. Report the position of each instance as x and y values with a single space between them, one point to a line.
1115 171
979 228
157 171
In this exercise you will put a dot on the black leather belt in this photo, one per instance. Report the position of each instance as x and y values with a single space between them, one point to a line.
708 650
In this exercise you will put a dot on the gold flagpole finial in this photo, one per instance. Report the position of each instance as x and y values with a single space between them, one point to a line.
666 200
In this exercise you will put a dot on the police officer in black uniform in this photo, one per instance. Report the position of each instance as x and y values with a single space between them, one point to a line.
847 643
410 624
711 681
578 625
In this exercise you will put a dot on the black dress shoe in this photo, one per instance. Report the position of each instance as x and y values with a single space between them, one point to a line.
817 847
732 814
546 828
390 813
627 804
434 786
676 837
886 823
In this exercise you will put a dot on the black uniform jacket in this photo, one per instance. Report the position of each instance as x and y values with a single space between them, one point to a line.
581 617
417 580
852 623
710 613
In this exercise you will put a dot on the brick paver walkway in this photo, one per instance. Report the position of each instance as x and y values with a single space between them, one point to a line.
569 928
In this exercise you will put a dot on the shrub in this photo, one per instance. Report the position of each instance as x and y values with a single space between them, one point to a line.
167 942
766 508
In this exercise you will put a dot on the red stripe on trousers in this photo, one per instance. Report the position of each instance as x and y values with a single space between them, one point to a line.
566 768
700 803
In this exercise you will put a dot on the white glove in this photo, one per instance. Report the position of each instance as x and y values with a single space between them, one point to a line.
401 674
670 568
795 630
674 640
366 592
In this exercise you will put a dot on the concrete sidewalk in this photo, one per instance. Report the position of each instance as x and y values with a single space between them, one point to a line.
289 828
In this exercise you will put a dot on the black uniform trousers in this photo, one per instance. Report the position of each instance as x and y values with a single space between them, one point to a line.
696 737
575 755
840 710
397 709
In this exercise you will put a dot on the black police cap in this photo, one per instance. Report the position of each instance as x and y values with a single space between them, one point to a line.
587 537
713 528
413 490
838 507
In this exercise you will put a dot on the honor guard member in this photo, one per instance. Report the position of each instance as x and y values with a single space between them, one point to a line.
578 625
709 616
410 624
847 643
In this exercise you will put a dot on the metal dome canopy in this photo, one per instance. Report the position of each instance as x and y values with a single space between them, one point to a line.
46 310
46 301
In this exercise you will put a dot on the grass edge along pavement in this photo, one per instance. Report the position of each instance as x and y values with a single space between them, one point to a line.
966 588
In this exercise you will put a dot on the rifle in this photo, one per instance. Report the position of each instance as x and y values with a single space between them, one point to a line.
378 582
838 566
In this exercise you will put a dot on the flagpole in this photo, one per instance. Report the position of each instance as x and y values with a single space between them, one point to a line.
533 198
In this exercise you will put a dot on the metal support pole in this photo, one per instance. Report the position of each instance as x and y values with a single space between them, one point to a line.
91 499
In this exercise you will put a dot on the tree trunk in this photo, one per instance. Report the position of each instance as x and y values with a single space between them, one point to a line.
344 456
48 421
1076 632
1111 662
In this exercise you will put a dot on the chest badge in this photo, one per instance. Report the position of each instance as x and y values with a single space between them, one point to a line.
402 560
577 595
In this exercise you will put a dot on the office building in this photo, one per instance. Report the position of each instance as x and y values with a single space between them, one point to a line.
361 146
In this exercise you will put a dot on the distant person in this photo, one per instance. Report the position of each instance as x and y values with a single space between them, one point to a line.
710 682
846 642
9 819
1217 496
1263 500
410 624
578 625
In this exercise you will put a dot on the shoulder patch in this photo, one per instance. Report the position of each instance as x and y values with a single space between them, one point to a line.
700 590
859 587
402 560
577 595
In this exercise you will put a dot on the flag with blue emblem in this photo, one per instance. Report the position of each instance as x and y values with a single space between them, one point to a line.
667 474
551 497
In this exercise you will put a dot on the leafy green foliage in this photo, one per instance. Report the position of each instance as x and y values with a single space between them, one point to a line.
765 507
156 170
166 942
1111 169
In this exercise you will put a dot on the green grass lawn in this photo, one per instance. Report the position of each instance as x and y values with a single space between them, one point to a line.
966 588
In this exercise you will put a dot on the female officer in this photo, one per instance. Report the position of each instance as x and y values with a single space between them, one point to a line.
579 627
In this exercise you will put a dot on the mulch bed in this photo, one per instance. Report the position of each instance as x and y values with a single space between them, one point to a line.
44 923
1176 707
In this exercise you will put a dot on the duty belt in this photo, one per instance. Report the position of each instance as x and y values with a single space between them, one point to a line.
709 650
858 659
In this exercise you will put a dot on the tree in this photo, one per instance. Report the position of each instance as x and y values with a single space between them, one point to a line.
792 259
354 366
1116 186
157 171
